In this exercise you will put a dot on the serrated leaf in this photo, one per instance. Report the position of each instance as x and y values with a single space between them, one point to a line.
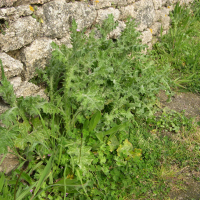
9 117
6 136
125 149
81 155
113 143
24 128
50 108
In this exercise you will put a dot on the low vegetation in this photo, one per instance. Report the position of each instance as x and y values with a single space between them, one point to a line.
98 136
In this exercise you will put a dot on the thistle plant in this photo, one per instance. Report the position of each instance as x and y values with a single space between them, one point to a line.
81 137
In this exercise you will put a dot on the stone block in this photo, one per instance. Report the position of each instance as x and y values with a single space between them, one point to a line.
36 56
20 33
11 66
127 11
103 14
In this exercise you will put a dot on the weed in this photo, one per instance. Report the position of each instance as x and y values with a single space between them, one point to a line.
180 48
92 140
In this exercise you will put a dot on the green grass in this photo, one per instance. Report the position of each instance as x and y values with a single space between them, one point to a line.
98 137
180 48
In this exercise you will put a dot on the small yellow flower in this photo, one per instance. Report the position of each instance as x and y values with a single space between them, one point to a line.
168 7
151 30
96 1
31 8
165 15
154 131
70 176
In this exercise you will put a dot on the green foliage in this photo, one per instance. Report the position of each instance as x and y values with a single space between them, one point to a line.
196 9
172 121
89 140
101 74
180 48
6 90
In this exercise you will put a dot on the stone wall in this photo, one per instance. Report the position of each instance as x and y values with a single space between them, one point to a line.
27 28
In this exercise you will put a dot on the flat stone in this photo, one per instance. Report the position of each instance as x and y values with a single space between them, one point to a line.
36 56
30 89
7 3
20 33
9 163
157 4
155 28
103 14
145 13
12 67
16 82
146 36
127 11
58 17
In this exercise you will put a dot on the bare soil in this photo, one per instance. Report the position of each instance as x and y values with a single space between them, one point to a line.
189 102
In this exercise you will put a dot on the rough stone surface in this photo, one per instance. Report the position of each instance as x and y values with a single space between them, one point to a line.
36 56
65 41
84 16
164 2
29 89
165 21
146 37
16 82
119 2
156 28
23 11
25 2
103 14
58 17
157 4
145 13
157 15
11 66
5 12
9 163
20 33
102 4
128 11
7 3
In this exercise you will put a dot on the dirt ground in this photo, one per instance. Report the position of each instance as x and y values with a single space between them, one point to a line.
191 104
